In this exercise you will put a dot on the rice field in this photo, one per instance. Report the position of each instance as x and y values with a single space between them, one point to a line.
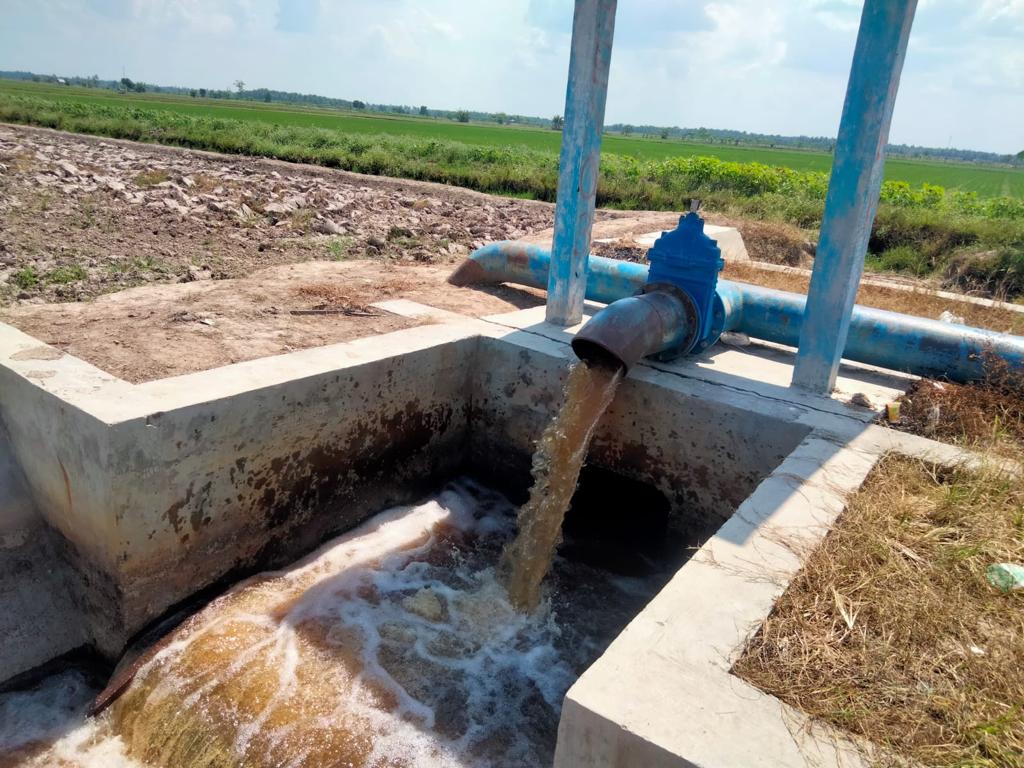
986 181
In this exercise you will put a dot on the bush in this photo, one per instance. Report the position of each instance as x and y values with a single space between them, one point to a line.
903 258
997 273
25 278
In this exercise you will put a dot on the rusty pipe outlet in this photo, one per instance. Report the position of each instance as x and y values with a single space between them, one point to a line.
661 320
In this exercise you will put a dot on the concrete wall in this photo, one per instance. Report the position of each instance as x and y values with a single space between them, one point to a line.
703 453
39 620
18 515
143 495
149 493
255 480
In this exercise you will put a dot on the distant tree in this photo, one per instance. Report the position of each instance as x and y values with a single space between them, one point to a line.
266 95
501 118
627 130
192 93
664 133
462 116
93 82
423 111
127 84
239 85
202 93
139 88
1020 155
357 104
557 123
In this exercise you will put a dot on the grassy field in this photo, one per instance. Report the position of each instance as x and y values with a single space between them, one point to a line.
986 181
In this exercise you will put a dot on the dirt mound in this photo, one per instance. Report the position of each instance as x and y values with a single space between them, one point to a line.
776 243
81 216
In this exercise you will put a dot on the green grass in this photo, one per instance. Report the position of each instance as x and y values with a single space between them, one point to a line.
338 247
26 278
66 274
986 181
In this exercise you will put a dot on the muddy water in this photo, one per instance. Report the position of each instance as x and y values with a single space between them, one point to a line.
394 645
556 469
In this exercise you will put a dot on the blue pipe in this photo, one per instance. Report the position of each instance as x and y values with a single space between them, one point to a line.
887 339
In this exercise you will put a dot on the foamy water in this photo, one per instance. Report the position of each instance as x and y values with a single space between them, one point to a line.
393 645
557 462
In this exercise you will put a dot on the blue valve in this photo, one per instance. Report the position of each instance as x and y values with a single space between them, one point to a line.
688 259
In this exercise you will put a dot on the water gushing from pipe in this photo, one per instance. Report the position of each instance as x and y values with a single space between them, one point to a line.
557 462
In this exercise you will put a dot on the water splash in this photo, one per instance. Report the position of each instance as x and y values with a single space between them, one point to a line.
394 645
556 469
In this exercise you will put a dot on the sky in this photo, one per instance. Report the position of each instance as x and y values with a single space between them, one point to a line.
768 67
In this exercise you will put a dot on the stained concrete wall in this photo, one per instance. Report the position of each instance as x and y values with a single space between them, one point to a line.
153 492
39 620
18 515
704 454
150 493
255 480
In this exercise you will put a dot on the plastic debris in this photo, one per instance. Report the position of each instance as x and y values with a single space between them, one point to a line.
1005 576
892 412
949 317
735 339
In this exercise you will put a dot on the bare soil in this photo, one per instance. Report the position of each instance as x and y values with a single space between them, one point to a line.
157 331
219 250
81 216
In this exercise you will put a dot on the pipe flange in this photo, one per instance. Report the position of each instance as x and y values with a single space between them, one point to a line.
692 320
717 323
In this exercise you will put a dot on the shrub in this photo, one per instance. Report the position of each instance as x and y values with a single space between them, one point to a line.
26 278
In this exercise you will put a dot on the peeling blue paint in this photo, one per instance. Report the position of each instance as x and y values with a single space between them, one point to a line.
853 189
586 92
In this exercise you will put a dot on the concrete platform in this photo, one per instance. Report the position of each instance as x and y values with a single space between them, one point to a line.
134 497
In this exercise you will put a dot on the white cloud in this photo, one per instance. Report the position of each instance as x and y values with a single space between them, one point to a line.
759 66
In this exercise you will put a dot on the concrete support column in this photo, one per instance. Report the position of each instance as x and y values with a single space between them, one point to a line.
592 29
853 190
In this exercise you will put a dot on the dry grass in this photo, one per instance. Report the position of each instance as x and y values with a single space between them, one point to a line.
775 242
354 294
987 415
151 178
891 630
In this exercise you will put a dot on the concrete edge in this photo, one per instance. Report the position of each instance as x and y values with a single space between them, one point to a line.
679 651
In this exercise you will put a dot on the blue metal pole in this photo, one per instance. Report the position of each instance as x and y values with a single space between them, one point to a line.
853 190
592 28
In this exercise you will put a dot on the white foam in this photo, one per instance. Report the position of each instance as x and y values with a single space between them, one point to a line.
476 682
54 713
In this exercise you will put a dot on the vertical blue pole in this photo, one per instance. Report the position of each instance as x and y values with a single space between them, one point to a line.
592 28
853 190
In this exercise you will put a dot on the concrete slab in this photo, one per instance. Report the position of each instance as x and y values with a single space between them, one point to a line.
761 368
728 239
